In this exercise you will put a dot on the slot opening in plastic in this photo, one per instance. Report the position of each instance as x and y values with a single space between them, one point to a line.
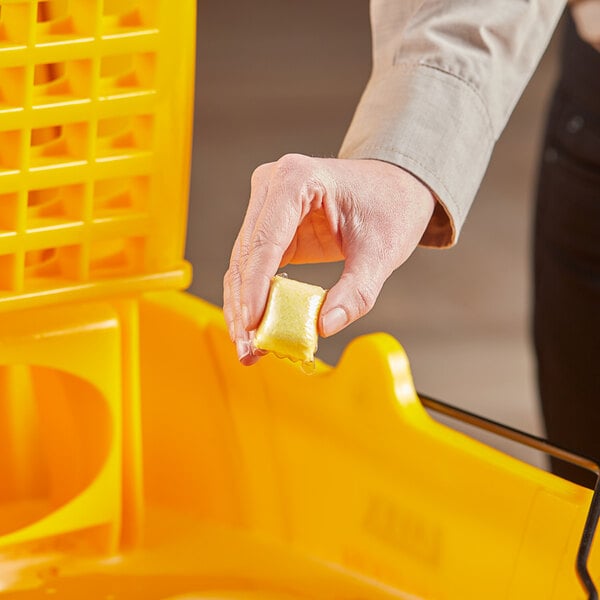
9 210
14 24
125 16
12 88
123 136
55 435
54 205
116 257
54 19
8 272
126 74
120 196
62 82
51 265
10 150
58 144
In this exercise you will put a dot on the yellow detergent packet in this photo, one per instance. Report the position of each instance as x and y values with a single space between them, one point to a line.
289 325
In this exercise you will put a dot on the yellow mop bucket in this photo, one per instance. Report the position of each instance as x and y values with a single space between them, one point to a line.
138 459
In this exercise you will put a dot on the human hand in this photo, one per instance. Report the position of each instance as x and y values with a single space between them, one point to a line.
369 213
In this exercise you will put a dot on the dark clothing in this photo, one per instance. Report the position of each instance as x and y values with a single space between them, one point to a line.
567 259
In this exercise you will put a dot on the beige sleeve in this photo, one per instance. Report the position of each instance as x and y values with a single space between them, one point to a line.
446 76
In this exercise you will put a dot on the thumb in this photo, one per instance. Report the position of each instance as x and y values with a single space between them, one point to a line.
352 297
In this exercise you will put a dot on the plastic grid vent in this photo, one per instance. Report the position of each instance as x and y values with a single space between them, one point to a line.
78 106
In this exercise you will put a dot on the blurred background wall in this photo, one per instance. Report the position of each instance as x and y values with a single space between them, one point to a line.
278 76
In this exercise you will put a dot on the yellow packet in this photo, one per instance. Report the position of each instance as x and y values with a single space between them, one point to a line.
289 325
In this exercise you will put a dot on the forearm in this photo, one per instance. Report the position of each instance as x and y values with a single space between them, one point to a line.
446 76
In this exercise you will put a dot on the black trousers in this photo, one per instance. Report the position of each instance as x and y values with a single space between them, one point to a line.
566 308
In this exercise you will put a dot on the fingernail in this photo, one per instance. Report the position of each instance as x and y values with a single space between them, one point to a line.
242 348
245 316
334 320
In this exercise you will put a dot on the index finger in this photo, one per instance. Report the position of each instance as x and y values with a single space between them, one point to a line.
285 206
232 282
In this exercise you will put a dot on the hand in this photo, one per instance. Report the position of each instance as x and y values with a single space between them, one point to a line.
369 213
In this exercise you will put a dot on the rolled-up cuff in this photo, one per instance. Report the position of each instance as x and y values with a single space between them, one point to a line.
433 124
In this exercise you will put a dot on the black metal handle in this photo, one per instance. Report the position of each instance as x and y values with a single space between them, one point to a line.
543 445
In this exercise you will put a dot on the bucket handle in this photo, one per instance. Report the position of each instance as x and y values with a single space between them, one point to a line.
543 445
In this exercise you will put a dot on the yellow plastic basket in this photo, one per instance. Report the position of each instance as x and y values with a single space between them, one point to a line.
138 459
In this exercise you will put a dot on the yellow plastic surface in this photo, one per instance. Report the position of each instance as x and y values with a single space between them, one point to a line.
264 481
60 426
138 459
289 325
95 130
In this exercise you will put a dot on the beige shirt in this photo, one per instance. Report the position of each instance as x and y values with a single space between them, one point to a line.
446 77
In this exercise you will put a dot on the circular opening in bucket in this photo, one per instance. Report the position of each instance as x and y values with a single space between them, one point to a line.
55 433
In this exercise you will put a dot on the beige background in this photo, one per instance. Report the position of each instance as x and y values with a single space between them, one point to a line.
276 77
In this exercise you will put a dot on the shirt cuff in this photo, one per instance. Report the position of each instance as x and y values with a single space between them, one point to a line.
433 124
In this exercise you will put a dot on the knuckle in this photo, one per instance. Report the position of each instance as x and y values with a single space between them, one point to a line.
364 298
259 174
298 179
263 239
229 277
296 165
233 269
232 278
243 263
